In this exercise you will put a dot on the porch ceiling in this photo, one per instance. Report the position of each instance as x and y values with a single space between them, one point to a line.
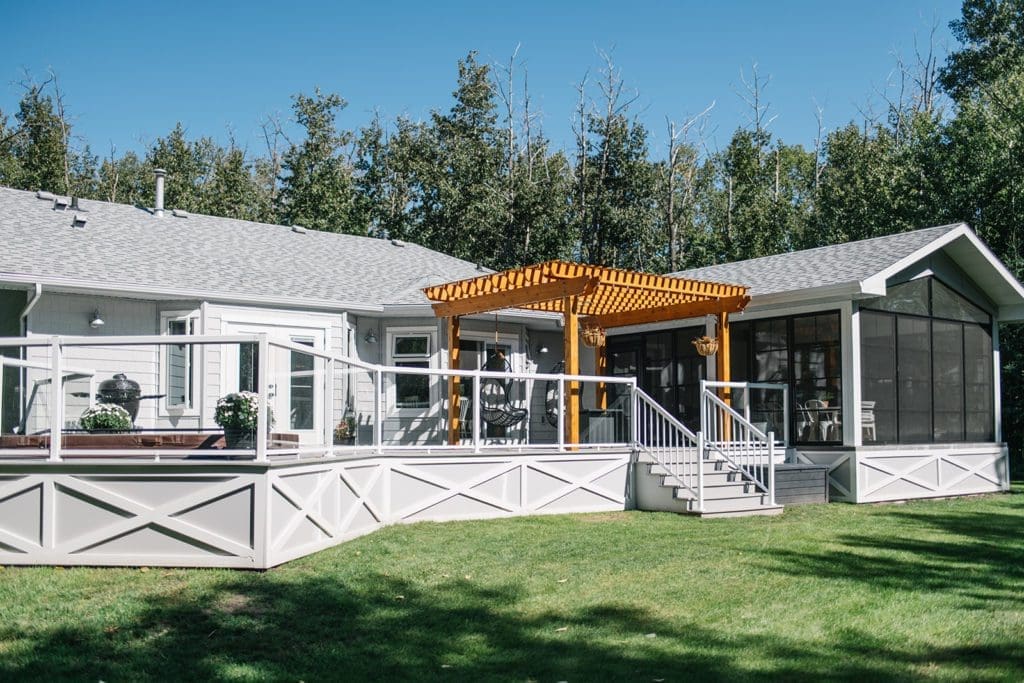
606 297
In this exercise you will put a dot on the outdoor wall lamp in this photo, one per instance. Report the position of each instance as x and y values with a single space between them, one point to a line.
96 321
371 337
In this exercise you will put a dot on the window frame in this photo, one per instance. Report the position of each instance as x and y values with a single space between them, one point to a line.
430 358
191 406
750 360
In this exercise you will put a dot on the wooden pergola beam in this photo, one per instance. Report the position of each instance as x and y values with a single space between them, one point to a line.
646 281
673 312
517 297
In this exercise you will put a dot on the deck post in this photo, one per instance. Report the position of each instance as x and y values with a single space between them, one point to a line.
328 403
601 369
262 413
453 381
378 409
572 367
56 399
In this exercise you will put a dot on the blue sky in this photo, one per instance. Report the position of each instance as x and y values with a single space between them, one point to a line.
131 70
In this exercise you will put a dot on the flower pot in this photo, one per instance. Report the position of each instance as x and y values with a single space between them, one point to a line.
345 441
239 438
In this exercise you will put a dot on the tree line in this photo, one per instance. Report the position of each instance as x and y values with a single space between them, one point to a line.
481 181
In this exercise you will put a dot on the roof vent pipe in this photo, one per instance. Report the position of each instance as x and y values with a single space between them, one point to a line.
158 209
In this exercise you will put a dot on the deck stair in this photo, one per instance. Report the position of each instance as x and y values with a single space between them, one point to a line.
677 470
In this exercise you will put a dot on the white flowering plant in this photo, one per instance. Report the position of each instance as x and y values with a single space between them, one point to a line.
239 411
105 417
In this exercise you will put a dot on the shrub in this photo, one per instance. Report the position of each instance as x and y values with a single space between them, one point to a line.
105 417
239 411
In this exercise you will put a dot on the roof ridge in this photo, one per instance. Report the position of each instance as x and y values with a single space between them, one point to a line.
944 228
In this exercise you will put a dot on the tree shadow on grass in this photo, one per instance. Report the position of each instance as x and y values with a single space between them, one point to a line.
977 556
314 627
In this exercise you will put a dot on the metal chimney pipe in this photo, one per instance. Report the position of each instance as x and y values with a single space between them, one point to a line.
159 207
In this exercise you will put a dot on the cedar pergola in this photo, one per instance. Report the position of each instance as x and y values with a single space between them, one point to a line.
587 296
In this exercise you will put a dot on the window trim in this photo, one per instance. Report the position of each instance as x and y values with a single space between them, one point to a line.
431 358
191 319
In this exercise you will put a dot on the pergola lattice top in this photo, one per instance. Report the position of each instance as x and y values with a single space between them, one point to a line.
606 297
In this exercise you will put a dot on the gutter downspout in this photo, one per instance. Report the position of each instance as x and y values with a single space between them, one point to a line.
23 352
28 308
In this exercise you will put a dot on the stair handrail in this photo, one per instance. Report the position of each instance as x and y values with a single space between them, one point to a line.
748 449
670 443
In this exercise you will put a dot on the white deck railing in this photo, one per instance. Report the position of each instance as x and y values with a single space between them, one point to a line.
671 445
339 387
732 437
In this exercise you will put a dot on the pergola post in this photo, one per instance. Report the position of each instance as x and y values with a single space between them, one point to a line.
601 369
572 367
453 381
722 367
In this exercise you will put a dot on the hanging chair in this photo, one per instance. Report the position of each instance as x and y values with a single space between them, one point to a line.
495 406
551 395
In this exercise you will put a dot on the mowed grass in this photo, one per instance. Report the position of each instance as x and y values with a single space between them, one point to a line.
923 590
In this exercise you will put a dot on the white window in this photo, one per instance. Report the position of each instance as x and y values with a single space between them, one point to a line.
178 362
412 348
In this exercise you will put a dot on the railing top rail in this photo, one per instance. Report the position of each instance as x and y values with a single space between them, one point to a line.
735 416
130 340
743 385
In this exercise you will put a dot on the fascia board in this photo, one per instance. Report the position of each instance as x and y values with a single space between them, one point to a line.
876 283
73 285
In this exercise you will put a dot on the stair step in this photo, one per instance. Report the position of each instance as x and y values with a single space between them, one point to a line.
765 510
709 466
720 492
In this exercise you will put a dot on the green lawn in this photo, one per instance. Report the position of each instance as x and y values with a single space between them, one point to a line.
922 590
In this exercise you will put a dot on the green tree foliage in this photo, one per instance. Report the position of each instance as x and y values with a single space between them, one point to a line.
317 186
457 206
614 202
991 34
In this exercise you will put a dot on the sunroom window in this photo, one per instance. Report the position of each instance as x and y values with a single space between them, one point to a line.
926 366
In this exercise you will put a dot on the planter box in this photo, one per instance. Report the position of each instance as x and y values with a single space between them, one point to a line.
180 440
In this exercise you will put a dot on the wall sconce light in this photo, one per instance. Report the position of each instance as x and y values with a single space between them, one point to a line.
371 337
96 321
542 349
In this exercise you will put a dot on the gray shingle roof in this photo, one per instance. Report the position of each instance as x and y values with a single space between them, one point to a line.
832 265
235 259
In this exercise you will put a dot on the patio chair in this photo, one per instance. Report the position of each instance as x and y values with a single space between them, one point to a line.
551 395
867 420
495 406
826 418
805 421
465 426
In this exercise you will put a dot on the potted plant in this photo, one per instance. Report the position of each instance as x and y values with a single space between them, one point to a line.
345 432
105 418
237 413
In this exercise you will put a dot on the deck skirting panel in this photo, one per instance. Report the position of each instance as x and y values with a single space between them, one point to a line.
244 515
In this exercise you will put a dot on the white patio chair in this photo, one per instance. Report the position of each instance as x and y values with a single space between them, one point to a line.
826 418
867 420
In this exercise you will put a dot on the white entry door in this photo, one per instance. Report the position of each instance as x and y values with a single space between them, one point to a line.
294 380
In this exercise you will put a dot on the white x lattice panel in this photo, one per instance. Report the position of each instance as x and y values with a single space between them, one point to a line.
574 484
896 476
156 519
